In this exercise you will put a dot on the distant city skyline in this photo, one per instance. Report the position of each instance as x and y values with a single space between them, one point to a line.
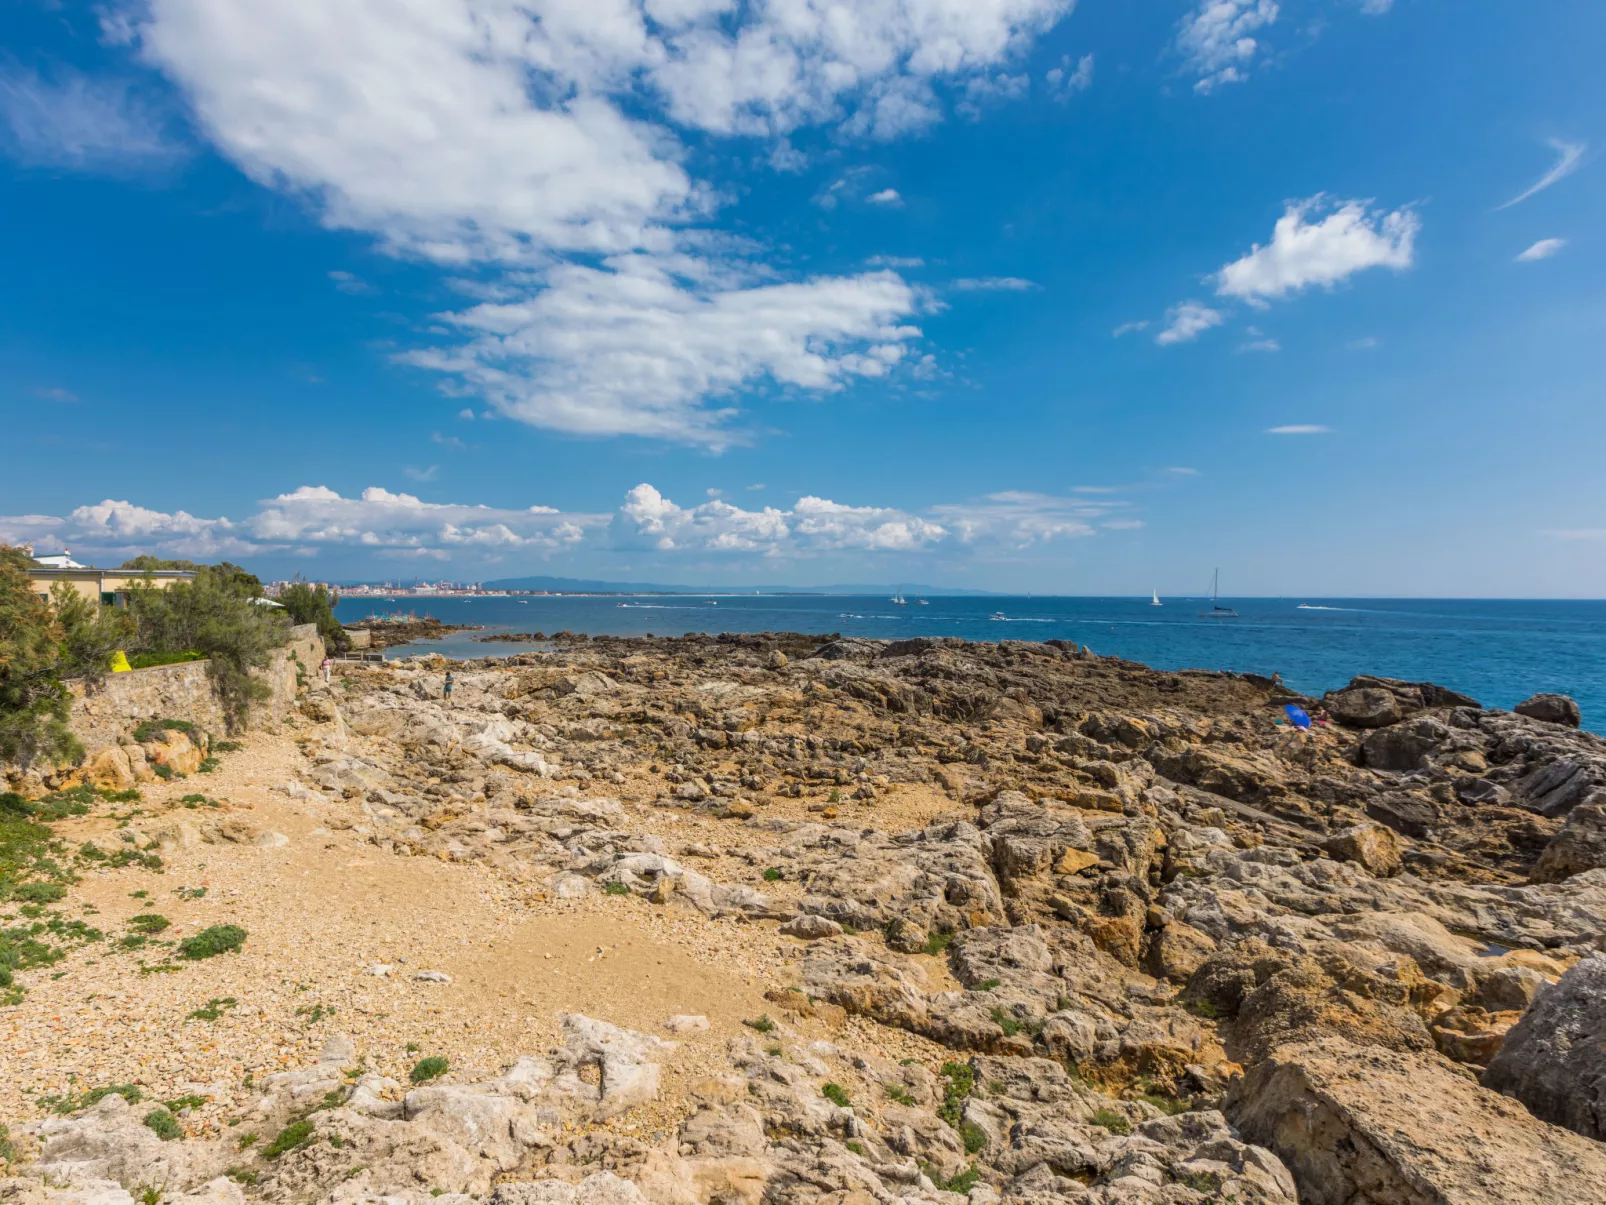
1017 295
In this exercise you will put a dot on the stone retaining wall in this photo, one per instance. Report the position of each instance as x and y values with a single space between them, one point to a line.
184 692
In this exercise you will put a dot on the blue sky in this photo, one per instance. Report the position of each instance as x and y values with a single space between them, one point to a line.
1006 294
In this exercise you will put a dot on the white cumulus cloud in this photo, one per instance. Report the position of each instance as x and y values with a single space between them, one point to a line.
529 139
1344 238
1187 322
388 524
631 348
1216 39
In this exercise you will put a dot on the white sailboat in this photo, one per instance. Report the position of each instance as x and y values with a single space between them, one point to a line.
1217 611
1156 600
898 600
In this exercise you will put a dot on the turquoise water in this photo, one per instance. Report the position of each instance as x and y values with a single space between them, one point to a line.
1499 652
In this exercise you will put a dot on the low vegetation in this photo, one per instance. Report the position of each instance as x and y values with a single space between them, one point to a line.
212 941
427 1069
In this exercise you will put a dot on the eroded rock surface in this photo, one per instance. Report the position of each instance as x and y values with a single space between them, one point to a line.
1173 951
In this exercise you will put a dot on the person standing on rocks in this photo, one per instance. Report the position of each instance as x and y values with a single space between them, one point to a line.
328 664
449 683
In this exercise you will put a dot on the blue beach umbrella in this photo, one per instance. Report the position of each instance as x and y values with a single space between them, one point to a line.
1297 716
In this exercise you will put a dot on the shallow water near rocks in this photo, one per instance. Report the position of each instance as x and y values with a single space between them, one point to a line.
1498 651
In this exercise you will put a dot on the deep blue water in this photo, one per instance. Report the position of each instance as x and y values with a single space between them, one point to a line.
1500 652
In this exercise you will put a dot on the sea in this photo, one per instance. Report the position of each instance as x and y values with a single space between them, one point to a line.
1497 651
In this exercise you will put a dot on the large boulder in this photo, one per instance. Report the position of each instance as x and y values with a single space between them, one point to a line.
1579 846
1368 845
1364 707
1362 1125
1554 1059
1552 709
1403 746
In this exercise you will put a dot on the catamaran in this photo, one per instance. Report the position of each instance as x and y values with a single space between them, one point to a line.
1217 611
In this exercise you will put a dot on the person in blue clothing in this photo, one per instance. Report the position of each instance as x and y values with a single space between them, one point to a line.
450 682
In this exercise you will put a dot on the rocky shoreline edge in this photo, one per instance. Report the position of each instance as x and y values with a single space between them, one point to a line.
1141 941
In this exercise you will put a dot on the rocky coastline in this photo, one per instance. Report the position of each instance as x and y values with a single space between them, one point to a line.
1001 922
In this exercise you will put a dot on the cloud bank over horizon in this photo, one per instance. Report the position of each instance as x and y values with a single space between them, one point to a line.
399 528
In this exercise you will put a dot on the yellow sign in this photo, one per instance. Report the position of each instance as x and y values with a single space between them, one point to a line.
120 663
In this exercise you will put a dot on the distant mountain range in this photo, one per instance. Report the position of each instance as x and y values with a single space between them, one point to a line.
574 585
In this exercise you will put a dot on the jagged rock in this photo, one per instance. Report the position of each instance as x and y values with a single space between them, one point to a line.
1364 707
810 927
109 1141
1551 709
1579 846
111 770
1178 950
1403 746
1360 1124
1371 846
602 1188
1554 1059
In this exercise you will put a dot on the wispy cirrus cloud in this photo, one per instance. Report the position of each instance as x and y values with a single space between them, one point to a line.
1569 155
1300 429
1543 249
83 123
995 284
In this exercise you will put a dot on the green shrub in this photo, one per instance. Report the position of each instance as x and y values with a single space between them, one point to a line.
763 1024
8 1149
74 1104
212 941
1007 1023
898 1094
152 660
242 1175
615 889
295 1135
214 1008
188 1101
148 923
427 1069
38 893
162 1123
315 604
986 985
773 875
961 1083
214 614
837 1095
938 941
156 730
165 773
856 1147
961 1184
973 1136
1112 1121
